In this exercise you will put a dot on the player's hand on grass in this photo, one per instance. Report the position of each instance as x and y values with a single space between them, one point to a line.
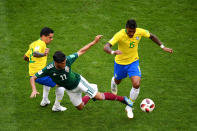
46 51
34 93
97 38
168 50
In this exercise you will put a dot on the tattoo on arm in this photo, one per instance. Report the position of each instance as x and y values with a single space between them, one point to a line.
37 54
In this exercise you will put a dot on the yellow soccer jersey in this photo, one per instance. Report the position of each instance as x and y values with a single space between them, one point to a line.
128 46
35 63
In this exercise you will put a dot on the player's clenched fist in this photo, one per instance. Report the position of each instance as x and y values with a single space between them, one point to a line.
97 38
46 51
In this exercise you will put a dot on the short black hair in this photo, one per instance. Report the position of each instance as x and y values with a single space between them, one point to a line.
59 56
131 24
46 31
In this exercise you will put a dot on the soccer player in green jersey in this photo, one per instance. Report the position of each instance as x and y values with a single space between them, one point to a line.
61 73
127 59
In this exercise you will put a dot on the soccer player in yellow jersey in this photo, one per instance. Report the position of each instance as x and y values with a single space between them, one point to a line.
37 58
127 59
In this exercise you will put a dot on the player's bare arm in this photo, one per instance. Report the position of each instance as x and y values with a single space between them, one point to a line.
107 48
37 54
158 42
26 58
86 47
34 91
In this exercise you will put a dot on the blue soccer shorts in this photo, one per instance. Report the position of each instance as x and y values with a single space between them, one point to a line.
47 81
121 71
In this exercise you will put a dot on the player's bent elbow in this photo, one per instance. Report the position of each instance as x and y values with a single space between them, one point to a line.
107 47
26 58
33 78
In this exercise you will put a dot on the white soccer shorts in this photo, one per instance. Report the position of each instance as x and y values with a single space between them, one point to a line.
89 89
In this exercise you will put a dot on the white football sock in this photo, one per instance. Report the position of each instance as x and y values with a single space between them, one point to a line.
134 93
113 82
59 95
46 90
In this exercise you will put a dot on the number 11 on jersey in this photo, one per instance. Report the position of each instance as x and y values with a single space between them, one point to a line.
63 76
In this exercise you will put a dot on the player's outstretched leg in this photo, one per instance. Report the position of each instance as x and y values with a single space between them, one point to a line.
59 96
114 88
45 101
108 96
128 102
113 97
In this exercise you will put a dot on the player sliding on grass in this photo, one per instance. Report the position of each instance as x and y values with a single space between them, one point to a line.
127 59
61 73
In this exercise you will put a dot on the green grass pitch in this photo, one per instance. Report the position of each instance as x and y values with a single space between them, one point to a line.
168 79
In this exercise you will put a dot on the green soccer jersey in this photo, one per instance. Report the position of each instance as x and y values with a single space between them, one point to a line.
62 77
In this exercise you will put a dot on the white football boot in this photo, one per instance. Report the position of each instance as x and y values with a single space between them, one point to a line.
129 111
58 108
44 102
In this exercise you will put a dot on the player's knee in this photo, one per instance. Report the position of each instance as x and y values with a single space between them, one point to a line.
117 81
99 96
136 85
60 91
80 107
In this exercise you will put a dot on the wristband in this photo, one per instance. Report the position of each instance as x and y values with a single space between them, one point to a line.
162 46
112 52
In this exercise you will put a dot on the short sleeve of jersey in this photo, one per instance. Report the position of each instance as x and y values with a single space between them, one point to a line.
145 33
115 39
42 73
39 48
71 58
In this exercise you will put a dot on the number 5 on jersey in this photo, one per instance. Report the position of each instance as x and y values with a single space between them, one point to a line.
132 45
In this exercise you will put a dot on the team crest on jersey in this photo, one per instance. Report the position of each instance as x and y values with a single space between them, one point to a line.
137 38
37 48
67 69
40 72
